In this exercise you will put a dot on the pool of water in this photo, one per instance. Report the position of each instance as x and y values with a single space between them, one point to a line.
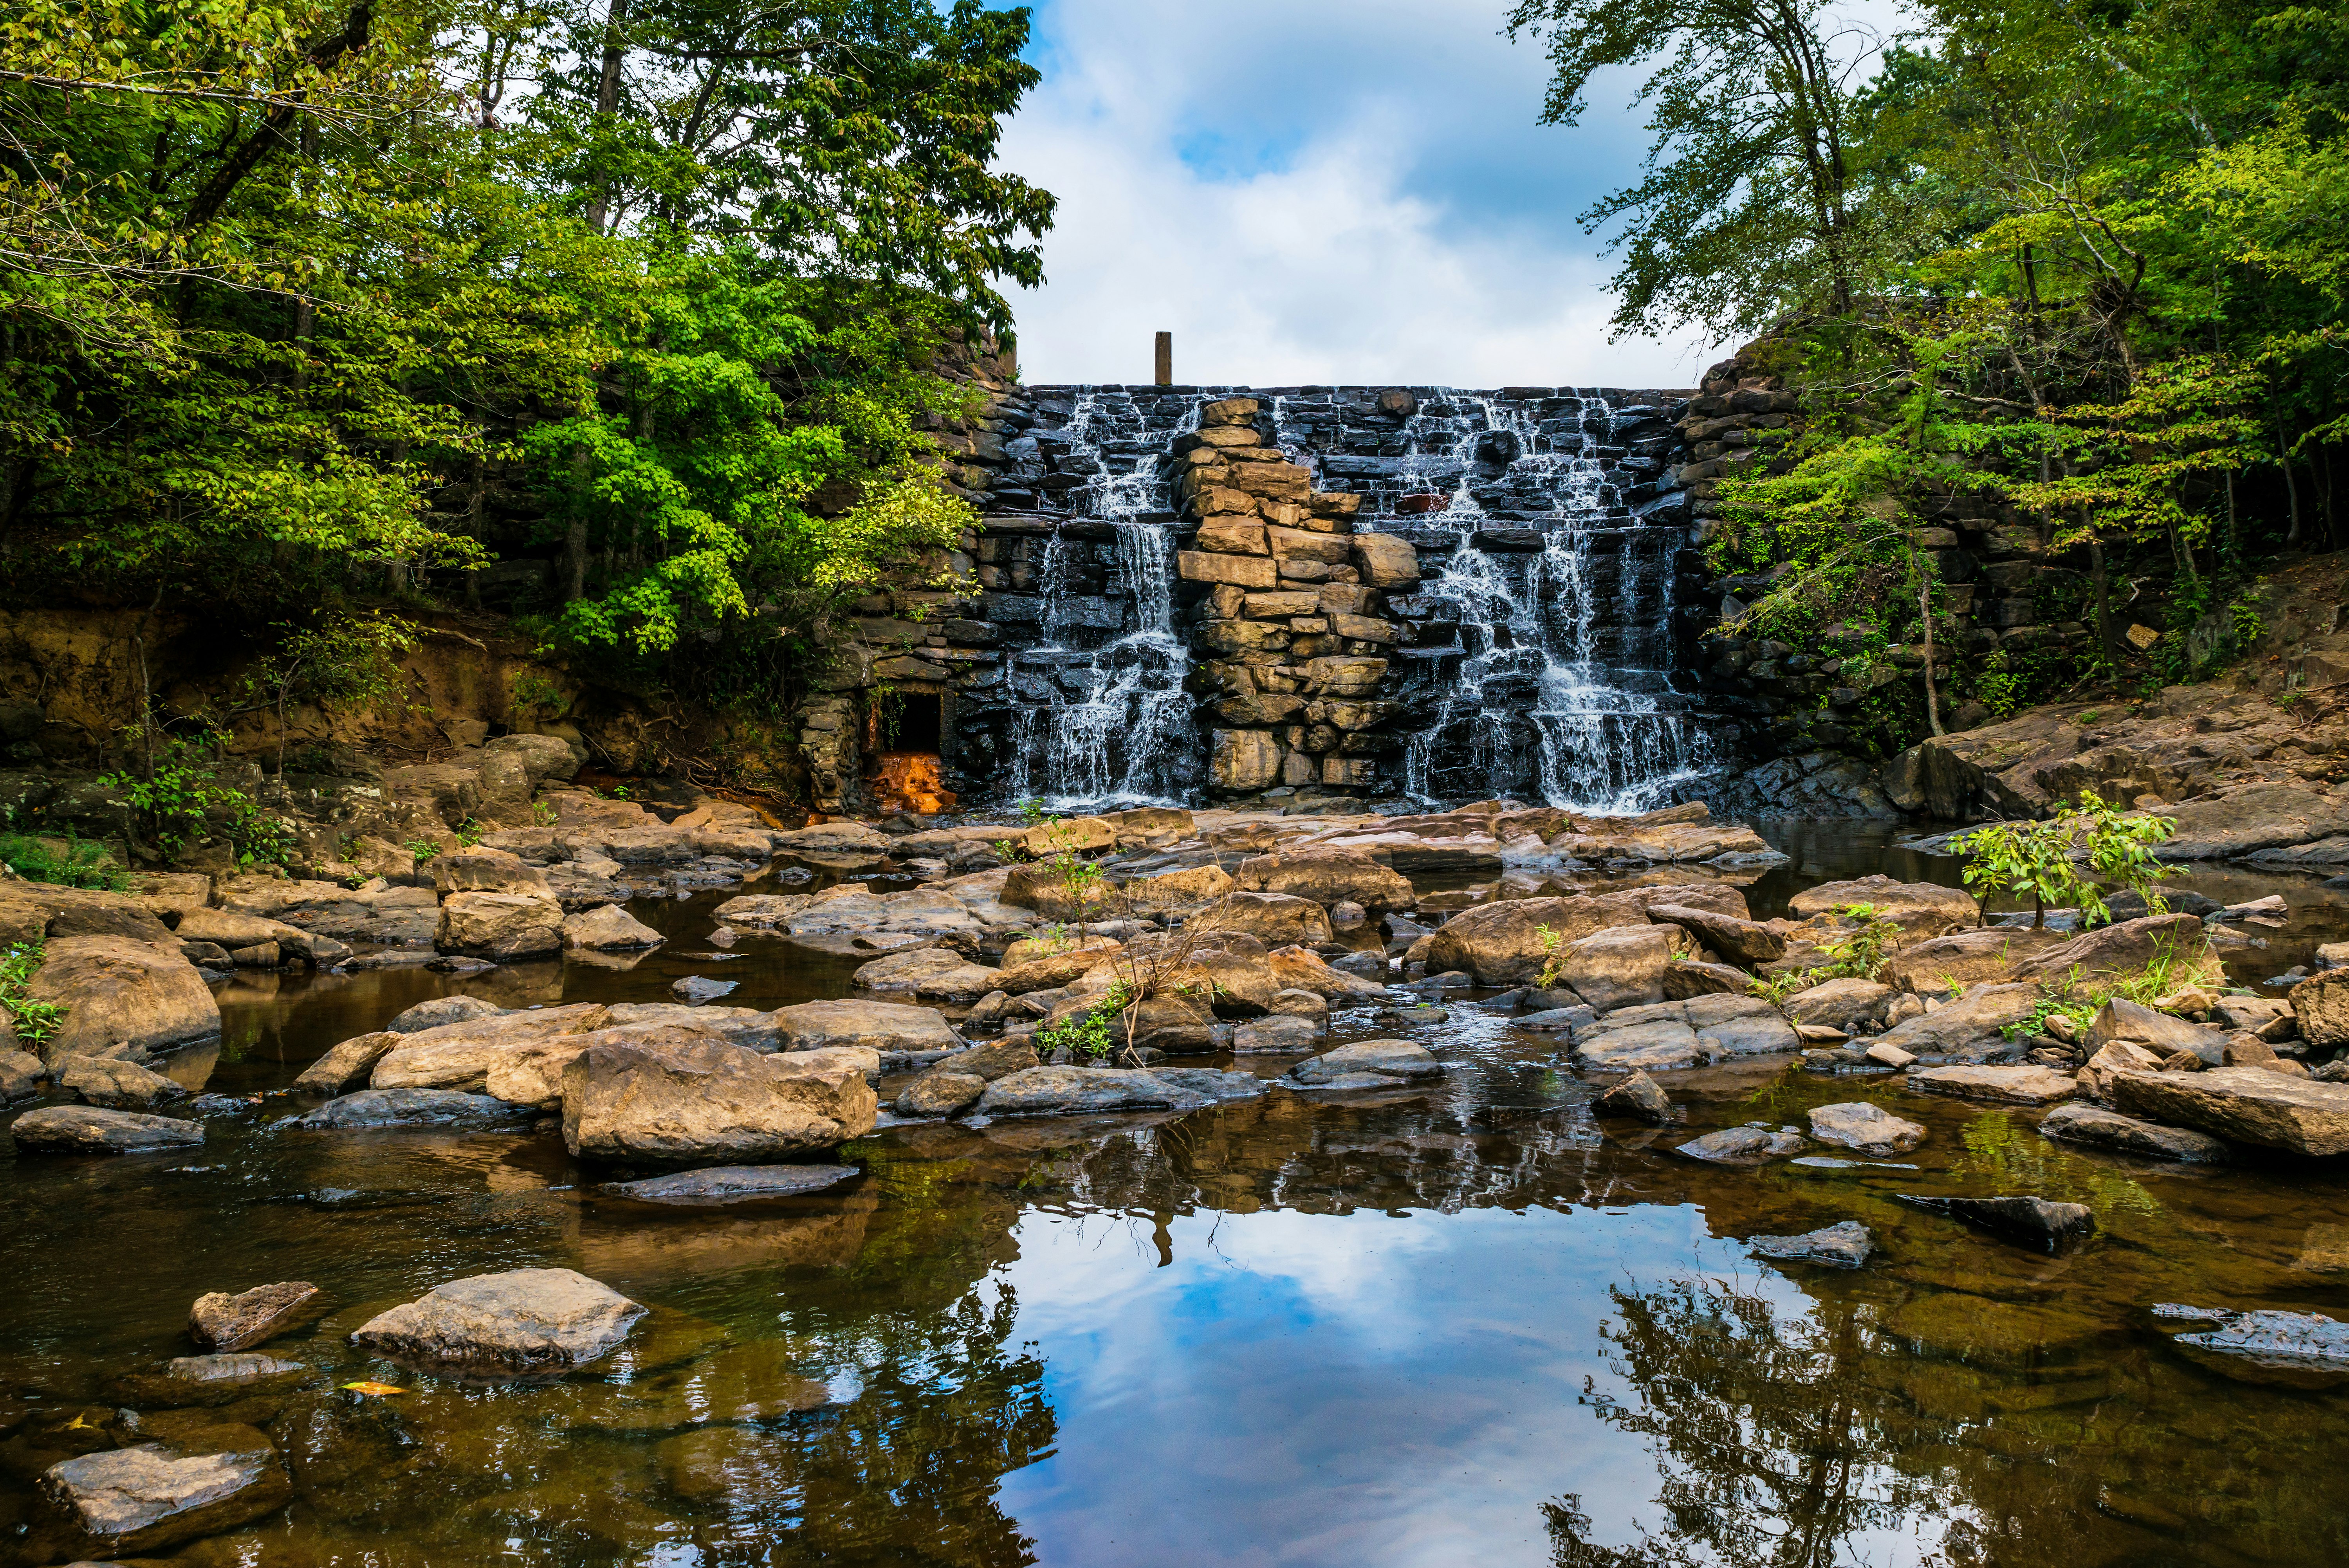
1460 1325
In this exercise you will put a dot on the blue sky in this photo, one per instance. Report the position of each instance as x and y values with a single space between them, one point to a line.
1333 191
1317 191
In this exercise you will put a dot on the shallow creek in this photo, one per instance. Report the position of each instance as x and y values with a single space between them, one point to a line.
1427 1327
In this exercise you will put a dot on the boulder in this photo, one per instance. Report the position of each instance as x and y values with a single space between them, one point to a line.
481 869
2037 1222
674 1097
441 1010
461 1056
2007 1085
695 989
938 1093
125 1503
607 927
22 1074
523 1322
1030 950
1301 969
1329 877
347 1066
2320 1008
1049 971
2096 1076
229 1322
121 992
1620 967
1692 977
1386 561
1889 1056
1073 836
1368 1064
1977 1018
1742 1145
2099 1128
499 926
445 1109
1276 919
1501 943
716 1185
1919 909
1278 1035
86 1129
1069 1091
1845 1246
2243 1104
1870 1129
1965 957
938 973
889 1027
1746 941
2165 1036
115 1083
1635 1095
1846 1004
2128 947
1175 890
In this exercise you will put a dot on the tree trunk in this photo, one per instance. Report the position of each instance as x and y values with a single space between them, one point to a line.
2103 579
607 99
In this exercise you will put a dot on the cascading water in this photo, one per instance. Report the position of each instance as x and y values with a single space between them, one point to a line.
1545 653
1109 723
1540 654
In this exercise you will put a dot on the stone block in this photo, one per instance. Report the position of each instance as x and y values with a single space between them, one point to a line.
1298 770
1329 549
1348 598
1244 571
1229 411
1232 535
1386 561
1344 677
1349 773
1281 605
1238 637
1361 628
1240 761
1336 504
1209 499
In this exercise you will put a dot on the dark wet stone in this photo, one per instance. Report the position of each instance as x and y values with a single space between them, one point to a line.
1366 966
2037 1222
1554 1019
1388 1060
2279 1339
87 1129
223 1321
1637 1097
734 1183
1423 1013
1216 1084
1844 1246
697 988
2100 1128
411 1108
1741 1145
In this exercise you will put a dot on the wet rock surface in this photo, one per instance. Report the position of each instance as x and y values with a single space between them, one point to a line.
2039 1222
1742 1145
1847 1245
151 1496
90 1130
2096 1128
1869 1128
720 1184
224 1322
2243 1104
523 1323
372 1109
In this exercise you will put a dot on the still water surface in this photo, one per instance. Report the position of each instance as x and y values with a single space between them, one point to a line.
1464 1325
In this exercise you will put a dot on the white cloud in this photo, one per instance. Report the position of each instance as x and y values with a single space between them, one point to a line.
1318 192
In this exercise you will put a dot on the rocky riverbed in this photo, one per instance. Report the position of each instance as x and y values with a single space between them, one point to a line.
556 1210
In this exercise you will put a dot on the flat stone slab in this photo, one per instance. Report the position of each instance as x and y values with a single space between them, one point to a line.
1657 1045
721 1184
519 1323
2007 1085
133 1501
89 1129
2241 1105
375 1108
1845 1246
1742 1145
1389 1059
1069 1091
2279 1339
2039 1222
2098 1127
1870 1129
243 1368
223 1321
1635 1095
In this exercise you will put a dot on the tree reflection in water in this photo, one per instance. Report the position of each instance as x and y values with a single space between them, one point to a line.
1770 1444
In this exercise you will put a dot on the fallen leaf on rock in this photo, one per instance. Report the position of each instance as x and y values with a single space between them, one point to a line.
376 1388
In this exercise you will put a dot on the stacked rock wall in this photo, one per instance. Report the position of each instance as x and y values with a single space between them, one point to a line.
1290 606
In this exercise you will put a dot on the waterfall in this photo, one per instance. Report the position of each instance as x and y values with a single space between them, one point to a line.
1109 725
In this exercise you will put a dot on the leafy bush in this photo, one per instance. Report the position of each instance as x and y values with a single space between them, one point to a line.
68 862
181 795
1089 1036
2041 858
33 1021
